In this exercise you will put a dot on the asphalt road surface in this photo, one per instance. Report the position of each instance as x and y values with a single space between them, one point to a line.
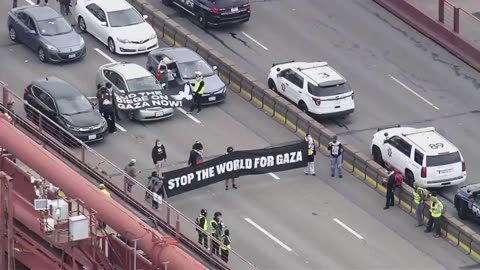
285 221
400 77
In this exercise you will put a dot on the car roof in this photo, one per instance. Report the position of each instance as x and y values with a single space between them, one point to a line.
180 55
57 88
427 139
129 71
111 5
40 13
318 72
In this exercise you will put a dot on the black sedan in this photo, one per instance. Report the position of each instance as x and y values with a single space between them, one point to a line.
66 106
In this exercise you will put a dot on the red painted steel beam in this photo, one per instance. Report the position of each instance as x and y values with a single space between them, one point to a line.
108 210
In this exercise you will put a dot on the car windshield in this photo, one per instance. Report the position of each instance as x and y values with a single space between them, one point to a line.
73 105
441 160
54 27
331 90
188 69
124 17
143 84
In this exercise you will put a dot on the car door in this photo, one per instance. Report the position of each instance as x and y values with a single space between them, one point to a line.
94 20
285 87
30 34
104 27
19 23
47 106
397 153
296 84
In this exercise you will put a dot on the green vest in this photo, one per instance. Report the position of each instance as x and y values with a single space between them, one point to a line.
213 230
436 209
205 224
420 194
197 86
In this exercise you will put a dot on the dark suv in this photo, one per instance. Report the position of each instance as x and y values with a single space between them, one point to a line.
467 202
66 106
214 12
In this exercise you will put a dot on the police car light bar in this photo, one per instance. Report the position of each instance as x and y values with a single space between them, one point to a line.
419 130
276 64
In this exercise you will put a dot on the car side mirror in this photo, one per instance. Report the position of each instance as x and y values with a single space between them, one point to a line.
121 91
33 32
103 23
215 68
145 17
164 85
93 101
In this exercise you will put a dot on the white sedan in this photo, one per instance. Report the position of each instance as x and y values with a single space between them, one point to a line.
116 24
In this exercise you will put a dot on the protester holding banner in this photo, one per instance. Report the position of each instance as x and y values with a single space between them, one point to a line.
230 150
159 156
310 169
336 156
196 154
198 90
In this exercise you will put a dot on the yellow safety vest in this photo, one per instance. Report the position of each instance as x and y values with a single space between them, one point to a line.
437 209
61 194
197 86
416 197
104 191
205 224
213 230
226 247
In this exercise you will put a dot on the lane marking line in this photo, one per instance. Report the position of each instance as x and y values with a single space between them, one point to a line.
274 176
189 116
105 55
30 2
120 127
348 228
413 92
268 234
254 40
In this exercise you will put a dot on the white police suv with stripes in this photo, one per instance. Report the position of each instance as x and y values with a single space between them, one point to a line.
315 87
421 154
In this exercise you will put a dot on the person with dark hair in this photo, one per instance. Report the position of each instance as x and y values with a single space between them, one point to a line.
109 86
229 151
196 154
159 156
201 221
225 249
106 108
336 156
390 196
216 225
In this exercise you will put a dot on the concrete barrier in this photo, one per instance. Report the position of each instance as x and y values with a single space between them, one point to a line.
290 116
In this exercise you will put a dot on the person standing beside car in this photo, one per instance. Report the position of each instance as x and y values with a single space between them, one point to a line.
159 156
336 156
106 108
420 196
198 90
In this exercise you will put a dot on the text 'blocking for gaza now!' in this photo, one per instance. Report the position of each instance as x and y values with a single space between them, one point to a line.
236 164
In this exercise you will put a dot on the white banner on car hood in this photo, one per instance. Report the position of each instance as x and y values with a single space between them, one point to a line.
153 98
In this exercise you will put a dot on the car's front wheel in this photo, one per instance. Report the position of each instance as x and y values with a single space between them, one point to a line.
82 25
272 86
12 33
111 45
41 55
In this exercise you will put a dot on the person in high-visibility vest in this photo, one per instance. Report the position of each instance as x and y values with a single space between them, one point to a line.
310 169
198 90
420 195
226 246
202 222
104 190
436 211
216 227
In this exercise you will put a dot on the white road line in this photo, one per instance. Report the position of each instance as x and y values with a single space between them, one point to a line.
30 2
268 234
120 127
254 40
413 92
274 176
189 116
105 55
348 229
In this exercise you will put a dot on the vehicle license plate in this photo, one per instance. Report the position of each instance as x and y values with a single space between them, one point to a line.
71 56
92 137
235 9
158 114
212 98
445 171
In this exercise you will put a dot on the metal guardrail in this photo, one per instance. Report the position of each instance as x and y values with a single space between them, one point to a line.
282 111
56 139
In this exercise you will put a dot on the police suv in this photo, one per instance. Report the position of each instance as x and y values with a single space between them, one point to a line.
316 88
214 12
467 201
422 155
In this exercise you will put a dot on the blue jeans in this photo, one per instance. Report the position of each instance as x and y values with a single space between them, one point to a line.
336 164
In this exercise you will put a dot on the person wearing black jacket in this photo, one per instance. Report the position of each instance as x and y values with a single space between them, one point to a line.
390 189
229 151
159 156
196 154
107 107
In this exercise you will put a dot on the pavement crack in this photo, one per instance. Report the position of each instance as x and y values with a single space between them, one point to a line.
457 70
235 36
